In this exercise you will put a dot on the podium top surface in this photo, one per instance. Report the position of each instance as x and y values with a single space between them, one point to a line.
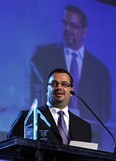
7 146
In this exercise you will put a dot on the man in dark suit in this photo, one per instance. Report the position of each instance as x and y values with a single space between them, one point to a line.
64 126
59 85
94 85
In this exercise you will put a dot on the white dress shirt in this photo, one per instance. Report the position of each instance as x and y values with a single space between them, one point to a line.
80 56
55 115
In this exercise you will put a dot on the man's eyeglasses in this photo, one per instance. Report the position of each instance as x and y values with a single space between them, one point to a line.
63 84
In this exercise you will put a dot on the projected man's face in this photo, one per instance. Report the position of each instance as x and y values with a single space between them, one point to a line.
73 30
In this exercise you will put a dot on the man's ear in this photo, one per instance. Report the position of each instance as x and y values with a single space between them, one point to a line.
72 89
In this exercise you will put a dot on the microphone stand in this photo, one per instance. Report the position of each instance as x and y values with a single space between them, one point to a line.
73 93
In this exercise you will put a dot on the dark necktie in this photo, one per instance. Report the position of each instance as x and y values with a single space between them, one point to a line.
62 127
75 74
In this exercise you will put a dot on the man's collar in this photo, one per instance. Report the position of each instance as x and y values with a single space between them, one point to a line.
80 51
57 109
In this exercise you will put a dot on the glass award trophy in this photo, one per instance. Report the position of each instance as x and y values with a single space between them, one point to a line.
31 122
36 126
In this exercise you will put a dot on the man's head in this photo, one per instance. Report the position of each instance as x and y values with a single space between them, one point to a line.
74 27
60 83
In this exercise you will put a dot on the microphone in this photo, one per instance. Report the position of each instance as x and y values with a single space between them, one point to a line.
73 94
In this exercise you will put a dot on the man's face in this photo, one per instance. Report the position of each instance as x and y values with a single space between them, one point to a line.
73 30
58 90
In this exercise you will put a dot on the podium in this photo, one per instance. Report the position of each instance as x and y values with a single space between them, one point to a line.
19 149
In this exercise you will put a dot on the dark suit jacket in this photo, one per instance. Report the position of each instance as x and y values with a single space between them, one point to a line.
94 86
79 129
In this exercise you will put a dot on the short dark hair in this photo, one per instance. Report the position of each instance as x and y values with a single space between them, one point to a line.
60 70
75 9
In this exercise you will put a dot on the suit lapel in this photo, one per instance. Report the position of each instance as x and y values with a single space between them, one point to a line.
46 112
